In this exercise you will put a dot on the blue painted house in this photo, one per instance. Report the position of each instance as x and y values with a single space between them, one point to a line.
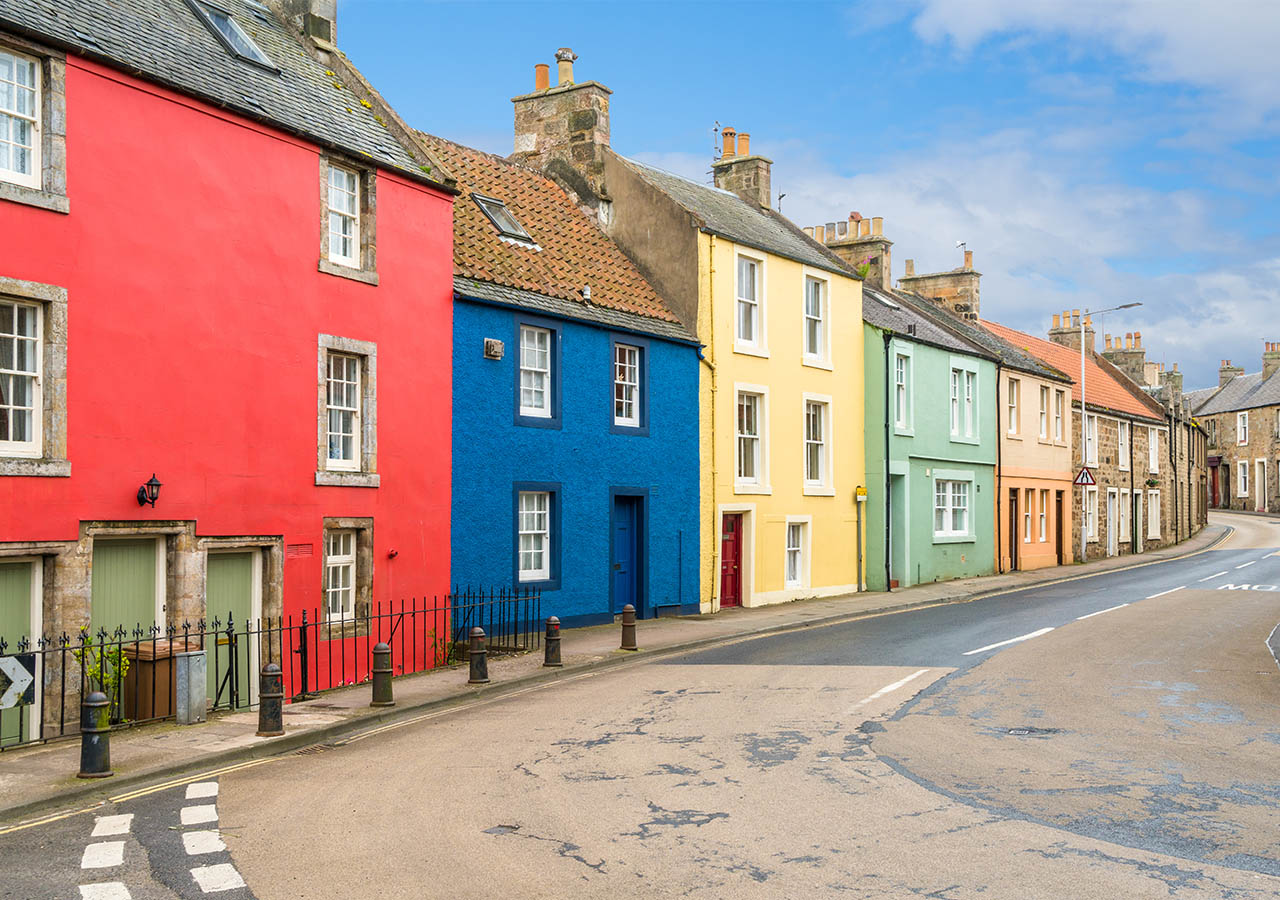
575 406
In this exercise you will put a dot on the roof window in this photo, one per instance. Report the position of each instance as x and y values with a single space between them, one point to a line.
501 218
229 32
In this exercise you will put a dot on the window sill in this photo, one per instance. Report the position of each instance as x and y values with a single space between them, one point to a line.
819 492
538 421
957 439
362 275
900 431
751 350
544 584
954 539
633 430
752 489
1013 435
813 362
328 478
36 468
18 193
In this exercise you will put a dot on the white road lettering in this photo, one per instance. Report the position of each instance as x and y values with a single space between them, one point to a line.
1213 576
888 689
1025 637
1170 591
1100 612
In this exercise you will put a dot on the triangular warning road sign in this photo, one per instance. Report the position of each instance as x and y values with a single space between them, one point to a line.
1085 478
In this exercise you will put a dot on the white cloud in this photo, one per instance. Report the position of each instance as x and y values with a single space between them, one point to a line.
1228 45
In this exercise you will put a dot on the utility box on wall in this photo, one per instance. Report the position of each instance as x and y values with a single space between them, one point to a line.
191 690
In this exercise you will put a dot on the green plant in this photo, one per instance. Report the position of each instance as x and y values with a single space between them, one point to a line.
104 666
863 267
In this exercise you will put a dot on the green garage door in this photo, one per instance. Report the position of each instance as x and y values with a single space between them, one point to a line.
229 592
124 585
15 624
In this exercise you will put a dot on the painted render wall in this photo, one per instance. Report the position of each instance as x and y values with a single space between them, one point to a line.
189 258
833 523
583 457
924 451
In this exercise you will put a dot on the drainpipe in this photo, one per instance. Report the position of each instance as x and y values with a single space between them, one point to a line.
1133 506
999 479
888 507
711 365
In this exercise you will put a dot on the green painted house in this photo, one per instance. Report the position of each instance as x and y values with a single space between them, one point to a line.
931 445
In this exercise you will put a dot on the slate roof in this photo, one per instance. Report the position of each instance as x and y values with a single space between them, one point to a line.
1107 388
165 41
1198 397
728 215
887 311
1243 392
571 249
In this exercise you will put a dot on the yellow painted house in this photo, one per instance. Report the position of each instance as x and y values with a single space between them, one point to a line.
780 320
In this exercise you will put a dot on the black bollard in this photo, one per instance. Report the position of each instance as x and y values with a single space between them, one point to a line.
629 628
551 650
382 676
479 658
271 701
95 736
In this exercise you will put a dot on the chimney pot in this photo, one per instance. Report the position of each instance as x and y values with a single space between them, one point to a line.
855 216
1137 340
910 267
831 230
729 136
864 227
541 77
744 144
1106 341
808 229
842 228
968 259
820 233
1057 321
564 65
877 225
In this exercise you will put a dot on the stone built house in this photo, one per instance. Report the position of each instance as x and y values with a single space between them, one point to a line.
1033 512
575 390
1242 418
780 321
232 322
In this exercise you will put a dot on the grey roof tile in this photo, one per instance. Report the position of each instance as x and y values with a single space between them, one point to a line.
728 215
166 41
584 312
887 312
1198 397
1243 392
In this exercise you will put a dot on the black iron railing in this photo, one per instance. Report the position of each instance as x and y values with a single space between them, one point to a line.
137 669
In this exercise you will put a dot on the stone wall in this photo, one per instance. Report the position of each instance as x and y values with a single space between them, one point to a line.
1262 444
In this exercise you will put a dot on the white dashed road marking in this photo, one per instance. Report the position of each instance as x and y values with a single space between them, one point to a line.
102 856
888 689
1100 612
1215 575
222 877
1170 591
1246 565
1025 637
198 815
202 789
198 842
109 890
105 826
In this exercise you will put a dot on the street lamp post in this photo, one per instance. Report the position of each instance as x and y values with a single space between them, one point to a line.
1084 428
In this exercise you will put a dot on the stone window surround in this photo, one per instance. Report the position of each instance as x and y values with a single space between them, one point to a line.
367 476
52 194
368 271
359 624
272 548
53 460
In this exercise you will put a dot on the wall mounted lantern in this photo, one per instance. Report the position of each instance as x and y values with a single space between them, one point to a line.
149 492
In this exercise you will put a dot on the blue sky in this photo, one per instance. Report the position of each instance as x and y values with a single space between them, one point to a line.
1090 153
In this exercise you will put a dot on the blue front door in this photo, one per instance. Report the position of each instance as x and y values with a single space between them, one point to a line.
626 553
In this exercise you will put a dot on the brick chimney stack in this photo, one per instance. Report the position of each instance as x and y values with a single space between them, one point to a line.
858 242
1066 331
737 170
1270 359
317 19
1226 372
563 129
1129 357
957 290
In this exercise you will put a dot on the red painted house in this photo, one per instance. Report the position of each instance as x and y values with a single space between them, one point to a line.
215 232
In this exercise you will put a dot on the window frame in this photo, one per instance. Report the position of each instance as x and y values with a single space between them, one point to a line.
1059 404
822 358
1044 515
46 187
362 267
32 448
1242 429
1124 437
1153 450
34 179
338 259
1122 519
640 426
554 381
205 10
964 402
1090 439
759 343
1242 478
903 424
760 484
346 560
1044 412
490 206
1013 400
1091 512
1028 513
804 525
46 454
950 478
1153 514
365 472
343 381
554 532
825 486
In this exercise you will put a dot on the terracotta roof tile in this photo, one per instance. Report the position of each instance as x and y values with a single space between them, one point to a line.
571 250
1103 382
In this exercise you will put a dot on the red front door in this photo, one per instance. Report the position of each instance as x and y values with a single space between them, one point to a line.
731 561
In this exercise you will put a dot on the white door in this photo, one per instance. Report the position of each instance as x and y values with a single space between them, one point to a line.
1137 519
1112 531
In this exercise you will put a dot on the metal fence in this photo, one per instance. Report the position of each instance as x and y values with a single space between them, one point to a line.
48 676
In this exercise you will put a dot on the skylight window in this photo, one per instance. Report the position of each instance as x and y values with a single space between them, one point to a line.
228 31
501 218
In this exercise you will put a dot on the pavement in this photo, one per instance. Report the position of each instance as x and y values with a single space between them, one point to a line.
39 779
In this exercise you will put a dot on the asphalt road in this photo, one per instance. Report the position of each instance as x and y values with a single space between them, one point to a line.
1113 736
